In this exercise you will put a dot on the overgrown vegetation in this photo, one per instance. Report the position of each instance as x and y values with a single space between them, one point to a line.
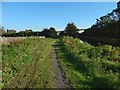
90 66
31 56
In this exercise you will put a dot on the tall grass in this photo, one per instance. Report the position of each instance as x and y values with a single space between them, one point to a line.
90 66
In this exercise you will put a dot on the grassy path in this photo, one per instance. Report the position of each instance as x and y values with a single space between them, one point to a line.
40 63
32 63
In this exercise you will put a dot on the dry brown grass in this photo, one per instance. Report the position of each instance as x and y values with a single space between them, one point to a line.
11 40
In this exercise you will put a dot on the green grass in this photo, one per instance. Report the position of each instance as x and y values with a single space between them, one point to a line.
15 57
88 66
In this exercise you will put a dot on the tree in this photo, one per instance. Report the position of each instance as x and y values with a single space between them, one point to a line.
28 32
53 33
21 33
107 27
118 4
50 33
62 33
71 29
46 32
118 10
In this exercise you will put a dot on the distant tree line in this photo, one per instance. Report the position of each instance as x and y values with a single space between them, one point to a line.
70 30
49 33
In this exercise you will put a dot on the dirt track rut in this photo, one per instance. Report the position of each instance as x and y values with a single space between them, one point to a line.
59 77
29 76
